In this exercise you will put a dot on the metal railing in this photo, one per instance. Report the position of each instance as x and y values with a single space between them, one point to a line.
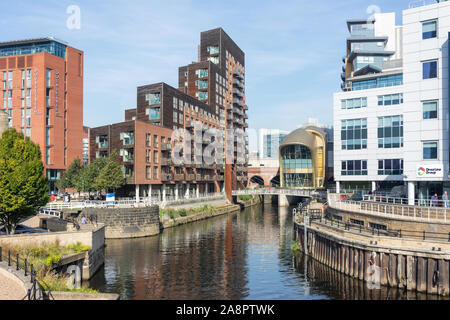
394 233
340 201
50 212
439 202
130 203
33 293
278 191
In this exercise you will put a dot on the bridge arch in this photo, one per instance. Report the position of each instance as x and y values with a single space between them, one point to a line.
256 179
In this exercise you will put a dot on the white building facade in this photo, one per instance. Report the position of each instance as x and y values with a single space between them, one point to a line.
392 118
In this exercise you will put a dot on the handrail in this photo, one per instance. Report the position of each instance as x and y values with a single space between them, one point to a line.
33 293
142 201
341 202
394 233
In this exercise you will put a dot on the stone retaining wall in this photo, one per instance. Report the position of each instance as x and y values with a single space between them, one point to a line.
402 263
178 220
125 222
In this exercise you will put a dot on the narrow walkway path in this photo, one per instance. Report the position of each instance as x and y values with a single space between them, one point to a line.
10 290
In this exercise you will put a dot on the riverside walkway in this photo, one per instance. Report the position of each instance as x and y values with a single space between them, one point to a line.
10 290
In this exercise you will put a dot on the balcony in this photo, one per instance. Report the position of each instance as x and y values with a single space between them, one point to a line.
190 177
103 145
166 147
166 177
166 162
179 177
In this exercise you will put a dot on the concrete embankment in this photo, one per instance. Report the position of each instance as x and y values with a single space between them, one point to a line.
411 264
167 222
121 223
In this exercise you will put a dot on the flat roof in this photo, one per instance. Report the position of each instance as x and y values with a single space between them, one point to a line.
30 41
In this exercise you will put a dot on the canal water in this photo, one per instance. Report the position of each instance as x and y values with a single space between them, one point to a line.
245 255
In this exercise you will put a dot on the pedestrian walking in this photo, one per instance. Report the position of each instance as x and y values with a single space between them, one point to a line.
445 199
434 200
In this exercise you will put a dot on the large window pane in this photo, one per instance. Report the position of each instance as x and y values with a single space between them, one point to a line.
429 29
429 69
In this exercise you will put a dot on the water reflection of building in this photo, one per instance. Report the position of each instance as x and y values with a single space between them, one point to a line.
206 259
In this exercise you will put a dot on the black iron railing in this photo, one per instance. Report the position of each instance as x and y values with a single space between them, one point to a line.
14 260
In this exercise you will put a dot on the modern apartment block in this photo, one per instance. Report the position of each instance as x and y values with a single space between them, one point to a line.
218 79
42 92
144 143
393 112
210 96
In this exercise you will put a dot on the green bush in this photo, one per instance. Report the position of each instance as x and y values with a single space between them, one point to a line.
245 198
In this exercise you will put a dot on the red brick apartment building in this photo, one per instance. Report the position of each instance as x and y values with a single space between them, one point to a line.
211 92
42 92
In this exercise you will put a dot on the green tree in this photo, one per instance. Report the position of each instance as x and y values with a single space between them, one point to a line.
90 173
23 186
71 177
111 175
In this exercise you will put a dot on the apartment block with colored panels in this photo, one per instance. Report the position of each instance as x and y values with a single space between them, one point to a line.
144 144
42 92
219 78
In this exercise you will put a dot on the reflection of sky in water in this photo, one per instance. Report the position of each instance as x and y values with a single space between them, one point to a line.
244 255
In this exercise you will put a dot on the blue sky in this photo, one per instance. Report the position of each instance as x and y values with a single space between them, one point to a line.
293 48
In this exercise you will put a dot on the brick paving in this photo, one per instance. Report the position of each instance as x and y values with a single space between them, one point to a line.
10 290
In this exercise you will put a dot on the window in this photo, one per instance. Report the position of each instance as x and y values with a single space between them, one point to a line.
390 132
377 226
23 78
10 116
148 173
390 99
429 29
214 60
28 98
201 73
22 117
390 167
47 155
354 134
201 95
358 222
28 117
9 98
28 132
127 138
47 77
430 110
429 69
354 168
355 103
201 84
381 82
47 136
155 141
430 150
175 116
148 139
155 173
10 79
47 116
28 77
154 113
213 49
153 98
155 156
